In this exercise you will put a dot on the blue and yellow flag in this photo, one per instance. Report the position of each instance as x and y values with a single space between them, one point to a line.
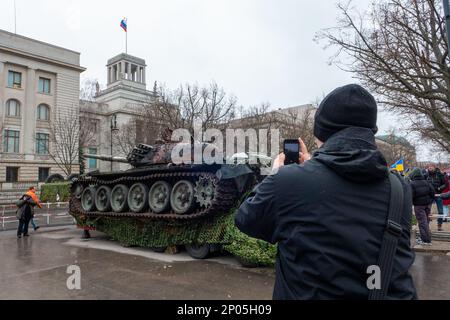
399 166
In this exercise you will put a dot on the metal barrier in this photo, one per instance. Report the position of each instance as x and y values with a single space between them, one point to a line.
59 210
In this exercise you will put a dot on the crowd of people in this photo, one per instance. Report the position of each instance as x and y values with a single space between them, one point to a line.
429 187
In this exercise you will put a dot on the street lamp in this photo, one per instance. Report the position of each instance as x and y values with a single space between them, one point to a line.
113 129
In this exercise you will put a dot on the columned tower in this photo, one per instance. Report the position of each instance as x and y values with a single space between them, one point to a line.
126 83
128 69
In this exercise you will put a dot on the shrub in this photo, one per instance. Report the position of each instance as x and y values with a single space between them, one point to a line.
250 251
49 191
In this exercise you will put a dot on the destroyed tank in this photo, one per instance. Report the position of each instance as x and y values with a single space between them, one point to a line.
155 191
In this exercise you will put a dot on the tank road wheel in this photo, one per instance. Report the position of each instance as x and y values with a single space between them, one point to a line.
138 197
204 191
119 196
102 199
159 197
198 251
78 190
88 199
182 197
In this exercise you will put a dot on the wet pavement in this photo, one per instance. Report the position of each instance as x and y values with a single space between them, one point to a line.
36 268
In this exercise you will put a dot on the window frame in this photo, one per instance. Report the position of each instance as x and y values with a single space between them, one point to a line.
14 84
16 175
47 107
39 143
16 143
18 108
44 80
92 160
40 173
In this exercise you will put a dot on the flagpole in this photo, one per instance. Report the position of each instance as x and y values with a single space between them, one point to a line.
15 18
126 41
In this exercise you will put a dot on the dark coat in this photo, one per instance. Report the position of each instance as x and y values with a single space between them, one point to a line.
328 217
437 180
25 209
422 191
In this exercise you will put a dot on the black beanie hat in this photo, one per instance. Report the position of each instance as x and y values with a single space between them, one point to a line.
344 107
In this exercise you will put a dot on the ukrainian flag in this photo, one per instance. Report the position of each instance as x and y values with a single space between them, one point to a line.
399 166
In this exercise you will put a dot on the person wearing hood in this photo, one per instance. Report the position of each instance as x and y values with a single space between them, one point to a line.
328 215
423 197
437 180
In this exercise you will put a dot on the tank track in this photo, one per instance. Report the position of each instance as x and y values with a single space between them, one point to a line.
225 196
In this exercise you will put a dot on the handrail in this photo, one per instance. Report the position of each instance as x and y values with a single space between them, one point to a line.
8 213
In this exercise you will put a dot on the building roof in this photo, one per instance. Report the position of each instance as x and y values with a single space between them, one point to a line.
127 57
393 139
39 50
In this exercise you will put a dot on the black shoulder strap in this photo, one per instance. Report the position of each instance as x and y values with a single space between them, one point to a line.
390 238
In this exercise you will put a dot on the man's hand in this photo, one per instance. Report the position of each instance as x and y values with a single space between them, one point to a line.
279 162
304 153
302 157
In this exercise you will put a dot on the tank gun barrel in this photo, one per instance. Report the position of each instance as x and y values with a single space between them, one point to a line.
106 158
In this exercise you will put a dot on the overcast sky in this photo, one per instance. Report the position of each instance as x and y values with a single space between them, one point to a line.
258 50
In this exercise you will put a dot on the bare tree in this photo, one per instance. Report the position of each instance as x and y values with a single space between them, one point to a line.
399 51
292 123
69 132
89 89
190 104
300 124
126 138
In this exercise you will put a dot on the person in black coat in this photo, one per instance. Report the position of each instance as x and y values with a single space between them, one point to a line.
437 179
24 214
423 197
328 215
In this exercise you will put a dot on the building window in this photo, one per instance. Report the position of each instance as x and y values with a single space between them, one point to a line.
12 108
92 163
43 112
43 174
42 142
12 174
14 79
11 141
44 85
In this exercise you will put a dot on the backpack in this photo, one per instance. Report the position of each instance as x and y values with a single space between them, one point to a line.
21 203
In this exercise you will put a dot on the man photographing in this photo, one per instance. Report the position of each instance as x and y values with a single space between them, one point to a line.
329 214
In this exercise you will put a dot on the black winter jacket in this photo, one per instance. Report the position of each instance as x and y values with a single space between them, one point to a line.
26 208
328 217
422 191
437 180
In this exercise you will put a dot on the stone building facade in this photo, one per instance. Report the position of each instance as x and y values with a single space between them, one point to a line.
37 81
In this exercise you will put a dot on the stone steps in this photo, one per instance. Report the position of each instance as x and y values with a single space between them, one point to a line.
438 235
8 197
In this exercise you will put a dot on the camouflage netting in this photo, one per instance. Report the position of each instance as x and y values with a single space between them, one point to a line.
143 233
154 234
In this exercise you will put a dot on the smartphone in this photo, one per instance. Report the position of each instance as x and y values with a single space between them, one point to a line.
291 151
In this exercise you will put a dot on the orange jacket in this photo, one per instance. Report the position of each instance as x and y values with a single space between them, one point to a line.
34 197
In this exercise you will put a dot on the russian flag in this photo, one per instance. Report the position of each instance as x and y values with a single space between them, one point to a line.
123 24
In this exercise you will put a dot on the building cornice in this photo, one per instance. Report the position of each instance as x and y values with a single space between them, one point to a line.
41 58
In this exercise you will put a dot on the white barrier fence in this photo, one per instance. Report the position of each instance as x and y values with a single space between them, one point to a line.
50 212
